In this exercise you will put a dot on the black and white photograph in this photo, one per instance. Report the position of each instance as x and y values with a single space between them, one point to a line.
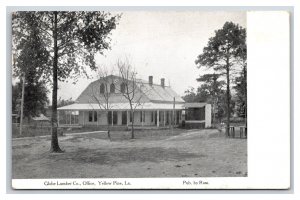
103 98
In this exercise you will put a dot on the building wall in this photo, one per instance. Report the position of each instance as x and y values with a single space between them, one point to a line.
80 118
102 118
207 115
119 118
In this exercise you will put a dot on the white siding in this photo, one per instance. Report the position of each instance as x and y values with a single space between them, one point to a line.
207 115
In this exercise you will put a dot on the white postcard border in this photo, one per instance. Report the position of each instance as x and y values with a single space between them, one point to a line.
269 137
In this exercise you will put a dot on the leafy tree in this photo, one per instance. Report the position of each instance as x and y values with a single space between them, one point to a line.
195 96
35 98
240 88
241 82
15 98
213 88
241 85
62 102
222 54
29 55
29 50
220 107
72 40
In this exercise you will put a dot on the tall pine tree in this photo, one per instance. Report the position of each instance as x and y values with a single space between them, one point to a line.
222 54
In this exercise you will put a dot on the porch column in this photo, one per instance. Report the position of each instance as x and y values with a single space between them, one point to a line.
127 118
164 118
70 112
83 118
170 118
142 118
97 118
175 117
157 118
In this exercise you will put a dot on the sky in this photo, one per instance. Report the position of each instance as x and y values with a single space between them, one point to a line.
163 44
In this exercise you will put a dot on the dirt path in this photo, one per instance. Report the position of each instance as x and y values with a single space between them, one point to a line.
205 153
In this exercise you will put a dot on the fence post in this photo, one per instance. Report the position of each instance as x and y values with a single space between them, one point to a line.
241 132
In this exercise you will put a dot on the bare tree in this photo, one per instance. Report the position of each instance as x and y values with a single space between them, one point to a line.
100 93
131 88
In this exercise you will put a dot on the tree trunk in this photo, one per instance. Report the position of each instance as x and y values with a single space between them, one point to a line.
132 121
108 127
227 98
22 104
54 140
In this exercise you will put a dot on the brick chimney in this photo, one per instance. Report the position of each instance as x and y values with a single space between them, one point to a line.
162 82
150 80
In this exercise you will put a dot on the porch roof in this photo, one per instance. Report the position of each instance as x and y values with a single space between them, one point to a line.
123 106
194 105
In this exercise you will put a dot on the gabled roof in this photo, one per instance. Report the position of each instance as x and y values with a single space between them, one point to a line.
94 89
157 93
151 93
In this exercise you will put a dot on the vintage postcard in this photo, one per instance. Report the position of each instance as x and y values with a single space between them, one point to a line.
140 99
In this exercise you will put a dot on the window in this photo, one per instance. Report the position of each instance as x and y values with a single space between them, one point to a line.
177 117
68 117
115 118
167 117
161 116
152 116
102 88
130 118
109 117
112 88
93 116
142 116
195 113
123 88
124 117
90 116
74 117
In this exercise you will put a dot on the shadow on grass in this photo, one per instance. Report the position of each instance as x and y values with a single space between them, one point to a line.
123 155
126 135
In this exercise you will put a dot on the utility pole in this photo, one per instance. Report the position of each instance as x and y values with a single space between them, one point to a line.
22 104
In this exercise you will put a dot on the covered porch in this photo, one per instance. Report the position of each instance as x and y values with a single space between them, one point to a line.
197 115
146 115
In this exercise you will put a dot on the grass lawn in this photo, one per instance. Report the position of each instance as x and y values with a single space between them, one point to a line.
154 153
